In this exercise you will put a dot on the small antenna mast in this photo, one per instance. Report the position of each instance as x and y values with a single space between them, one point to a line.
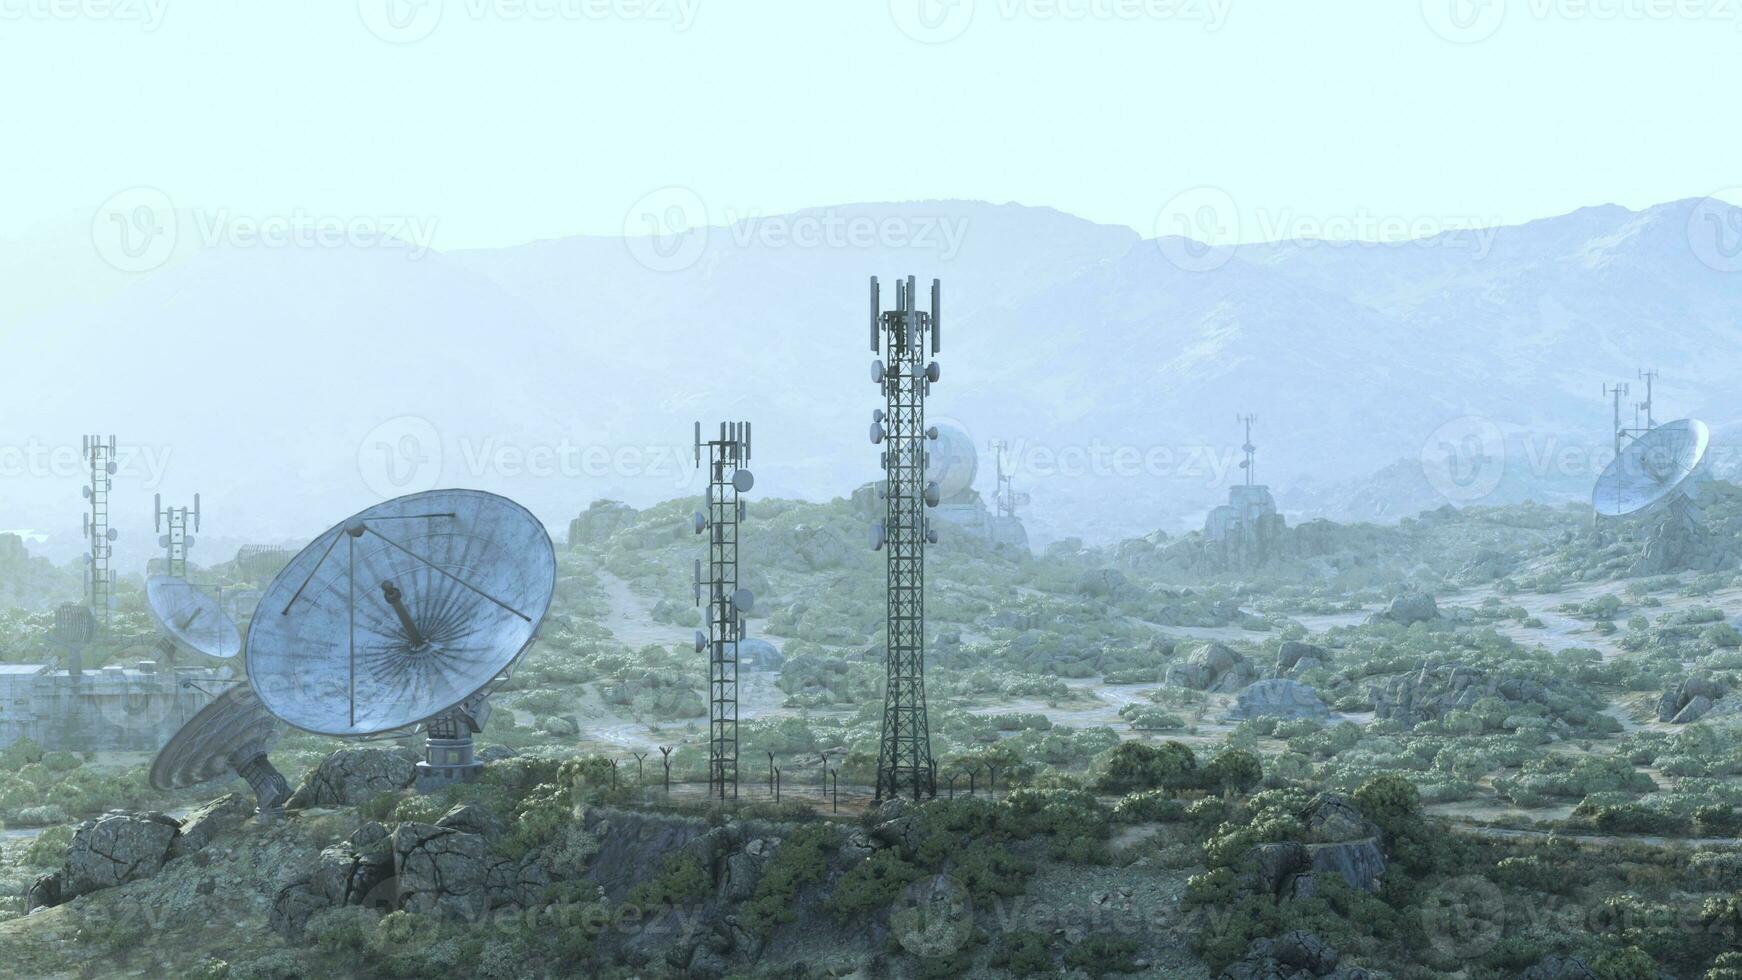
1248 448
1617 391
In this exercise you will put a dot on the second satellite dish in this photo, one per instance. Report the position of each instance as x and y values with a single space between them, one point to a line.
1662 465
191 617
401 613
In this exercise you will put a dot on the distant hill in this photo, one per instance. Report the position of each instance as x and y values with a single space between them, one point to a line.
291 385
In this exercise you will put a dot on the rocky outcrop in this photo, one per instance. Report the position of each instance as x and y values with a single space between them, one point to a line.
1296 658
1443 686
116 848
1690 700
220 816
1559 968
1678 543
445 872
599 521
352 776
1212 667
1297 955
1407 609
1340 842
1278 698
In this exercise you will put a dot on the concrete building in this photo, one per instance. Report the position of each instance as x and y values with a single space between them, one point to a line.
130 709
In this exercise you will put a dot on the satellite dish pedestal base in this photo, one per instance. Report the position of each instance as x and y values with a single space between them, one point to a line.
447 761
269 785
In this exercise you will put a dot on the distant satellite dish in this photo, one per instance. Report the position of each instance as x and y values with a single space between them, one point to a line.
701 641
401 613
112 534
699 521
877 372
877 433
1661 465
876 535
232 734
743 480
191 617
73 626
743 600
952 462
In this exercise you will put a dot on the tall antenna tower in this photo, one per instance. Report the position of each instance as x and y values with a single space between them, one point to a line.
1005 498
99 578
727 603
903 334
1617 391
1248 448
1647 375
176 541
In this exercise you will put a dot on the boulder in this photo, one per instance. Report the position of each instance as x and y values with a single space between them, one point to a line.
1277 863
1332 818
1102 582
214 818
1359 863
1278 698
1411 607
345 877
352 776
1693 711
471 818
116 848
819 547
1291 658
1559 968
43 893
444 872
1212 667
1297 955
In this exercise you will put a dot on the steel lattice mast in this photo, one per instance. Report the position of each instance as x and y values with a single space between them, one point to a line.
903 335
727 603
176 541
99 579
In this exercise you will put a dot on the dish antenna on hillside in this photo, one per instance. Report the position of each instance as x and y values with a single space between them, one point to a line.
189 616
410 613
1659 469
176 541
727 603
232 734
99 577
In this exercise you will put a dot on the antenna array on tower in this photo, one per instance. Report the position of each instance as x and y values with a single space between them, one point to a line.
904 334
99 577
175 541
727 603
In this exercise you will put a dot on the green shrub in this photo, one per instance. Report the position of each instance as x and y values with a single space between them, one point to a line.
872 884
802 859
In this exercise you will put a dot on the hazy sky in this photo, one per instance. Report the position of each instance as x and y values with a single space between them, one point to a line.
499 121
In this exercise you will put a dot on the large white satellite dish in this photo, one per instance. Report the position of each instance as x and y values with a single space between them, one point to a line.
1662 465
402 613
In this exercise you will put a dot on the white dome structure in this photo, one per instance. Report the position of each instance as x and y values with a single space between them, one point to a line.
953 463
